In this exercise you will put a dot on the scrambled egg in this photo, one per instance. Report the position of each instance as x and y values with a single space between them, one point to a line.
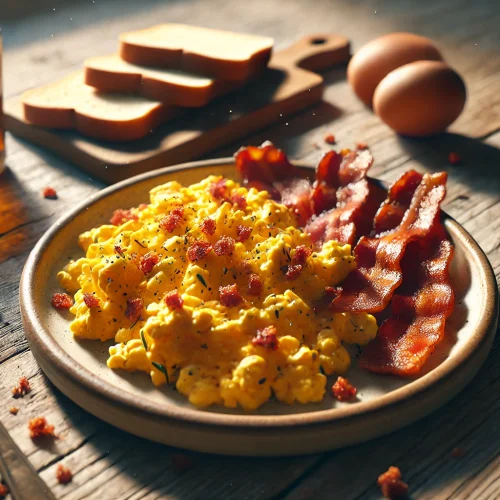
207 349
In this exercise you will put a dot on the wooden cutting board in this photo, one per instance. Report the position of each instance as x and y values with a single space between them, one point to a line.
288 86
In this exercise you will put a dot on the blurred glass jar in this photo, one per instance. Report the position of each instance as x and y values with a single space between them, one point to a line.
2 129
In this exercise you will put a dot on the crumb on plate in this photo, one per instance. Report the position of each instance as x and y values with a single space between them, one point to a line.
343 390
13 410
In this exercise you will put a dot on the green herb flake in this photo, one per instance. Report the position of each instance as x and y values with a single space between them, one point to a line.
144 343
202 280
161 368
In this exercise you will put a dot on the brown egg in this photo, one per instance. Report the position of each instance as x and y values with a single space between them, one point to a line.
379 57
421 98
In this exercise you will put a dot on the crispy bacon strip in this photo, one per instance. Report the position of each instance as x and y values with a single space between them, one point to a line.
398 201
357 204
344 201
370 286
424 301
265 164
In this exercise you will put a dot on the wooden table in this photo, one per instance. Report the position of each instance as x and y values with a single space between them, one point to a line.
109 464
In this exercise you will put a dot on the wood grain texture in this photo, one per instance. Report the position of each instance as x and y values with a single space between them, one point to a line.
109 464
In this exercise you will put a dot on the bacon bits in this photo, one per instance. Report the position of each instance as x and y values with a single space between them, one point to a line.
224 246
134 308
14 410
208 226
174 300
4 491
243 232
239 201
172 220
267 338
90 300
293 271
49 193
63 474
198 250
254 285
61 301
361 146
219 190
301 254
39 428
119 250
22 388
343 390
329 139
229 296
454 158
147 262
391 484
121 216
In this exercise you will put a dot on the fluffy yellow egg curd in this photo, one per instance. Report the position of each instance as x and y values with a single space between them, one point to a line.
212 288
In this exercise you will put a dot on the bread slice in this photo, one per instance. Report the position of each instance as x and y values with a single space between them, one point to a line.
70 104
221 54
171 86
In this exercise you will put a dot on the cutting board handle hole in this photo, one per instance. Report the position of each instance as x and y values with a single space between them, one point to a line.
318 41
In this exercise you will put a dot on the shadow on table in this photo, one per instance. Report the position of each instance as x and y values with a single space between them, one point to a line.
479 165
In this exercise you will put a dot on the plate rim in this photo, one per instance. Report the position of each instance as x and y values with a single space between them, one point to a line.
37 334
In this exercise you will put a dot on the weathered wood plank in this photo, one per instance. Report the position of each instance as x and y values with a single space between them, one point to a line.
108 463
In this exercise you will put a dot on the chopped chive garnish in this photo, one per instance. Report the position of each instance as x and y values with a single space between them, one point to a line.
139 243
202 281
144 343
322 370
134 323
277 313
160 367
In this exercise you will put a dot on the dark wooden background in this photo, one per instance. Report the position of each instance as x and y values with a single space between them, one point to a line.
42 44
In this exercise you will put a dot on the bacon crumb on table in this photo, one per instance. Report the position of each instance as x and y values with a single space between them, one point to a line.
4 491
61 301
22 388
454 158
39 427
174 300
343 390
267 338
49 193
330 139
14 410
230 295
181 462
391 484
63 474
458 452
